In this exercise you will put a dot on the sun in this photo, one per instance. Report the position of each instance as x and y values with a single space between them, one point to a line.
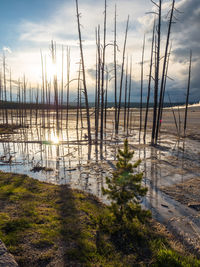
54 138
51 70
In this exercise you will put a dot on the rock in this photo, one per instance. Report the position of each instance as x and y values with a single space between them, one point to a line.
6 259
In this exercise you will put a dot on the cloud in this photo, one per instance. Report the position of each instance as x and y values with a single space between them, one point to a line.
185 38
7 49
61 26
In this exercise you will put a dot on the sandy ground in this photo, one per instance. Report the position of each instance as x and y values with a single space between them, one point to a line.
168 122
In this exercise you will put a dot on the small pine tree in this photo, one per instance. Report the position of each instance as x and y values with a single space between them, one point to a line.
124 220
125 189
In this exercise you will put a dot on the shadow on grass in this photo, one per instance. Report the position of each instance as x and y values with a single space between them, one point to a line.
72 228
44 224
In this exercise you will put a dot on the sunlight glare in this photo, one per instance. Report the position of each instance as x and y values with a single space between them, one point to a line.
54 138
51 70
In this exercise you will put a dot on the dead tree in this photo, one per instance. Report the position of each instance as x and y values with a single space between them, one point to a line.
24 100
68 82
125 95
122 75
55 83
115 65
175 121
161 100
98 84
11 96
62 86
129 95
4 82
106 98
141 88
84 76
96 88
188 92
157 67
78 98
166 73
43 91
102 73
149 85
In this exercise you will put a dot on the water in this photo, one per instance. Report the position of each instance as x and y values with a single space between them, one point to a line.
67 153
69 160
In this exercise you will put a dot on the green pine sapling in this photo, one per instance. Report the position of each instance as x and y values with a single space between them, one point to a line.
124 219
125 189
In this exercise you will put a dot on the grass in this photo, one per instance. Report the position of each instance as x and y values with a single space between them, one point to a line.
44 224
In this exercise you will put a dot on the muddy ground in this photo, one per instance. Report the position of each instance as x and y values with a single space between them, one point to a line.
187 193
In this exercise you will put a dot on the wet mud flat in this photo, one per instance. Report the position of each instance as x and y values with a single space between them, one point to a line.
186 193
64 157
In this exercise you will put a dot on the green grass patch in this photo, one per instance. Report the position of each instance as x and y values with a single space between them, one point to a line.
168 257
41 223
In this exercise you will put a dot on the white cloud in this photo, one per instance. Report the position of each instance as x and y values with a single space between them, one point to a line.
61 26
7 49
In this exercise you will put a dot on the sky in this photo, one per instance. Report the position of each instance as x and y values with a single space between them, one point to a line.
27 28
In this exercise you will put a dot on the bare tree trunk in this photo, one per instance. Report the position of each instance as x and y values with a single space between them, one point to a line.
5 89
68 81
165 81
149 85
102 74
18 100
163 73
81 113
157 67
141 88
84 78
122 74
78 99
31 103
188 92
47 95
11 97
62 87
106 99
115 65
55 84
125 95
43 91
175 121
98 81
129 95
179 123
96 91
24 101
36 100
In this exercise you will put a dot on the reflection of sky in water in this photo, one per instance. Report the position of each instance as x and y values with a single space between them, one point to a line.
67 153
74 163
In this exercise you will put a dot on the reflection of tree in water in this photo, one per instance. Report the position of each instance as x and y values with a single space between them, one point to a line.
72 152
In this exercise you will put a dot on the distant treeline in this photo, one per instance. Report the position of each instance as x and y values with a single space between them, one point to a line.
72 105
137 104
